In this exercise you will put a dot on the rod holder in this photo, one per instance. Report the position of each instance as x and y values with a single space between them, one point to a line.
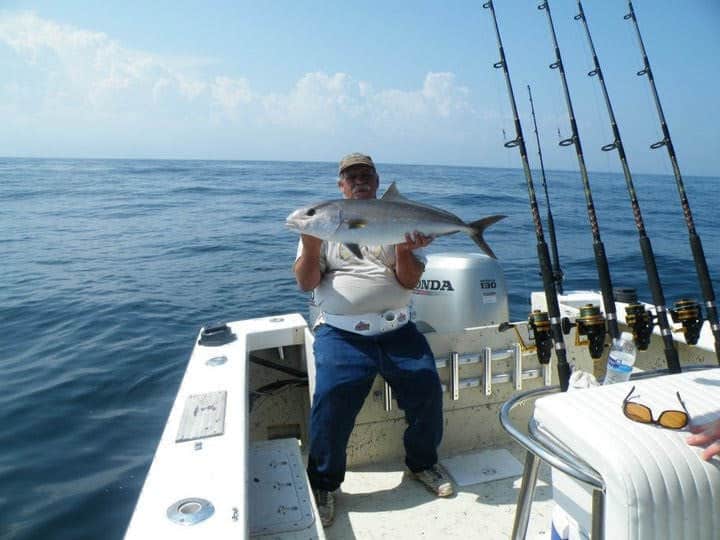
497 378
547 374
517 374
454 376
387 397
487 364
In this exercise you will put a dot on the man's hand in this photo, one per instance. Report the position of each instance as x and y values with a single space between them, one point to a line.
414 241
707 435
407 268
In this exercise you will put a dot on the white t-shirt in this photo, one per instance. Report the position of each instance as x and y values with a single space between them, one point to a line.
352 286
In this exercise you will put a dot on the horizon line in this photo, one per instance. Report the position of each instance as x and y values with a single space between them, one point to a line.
334 163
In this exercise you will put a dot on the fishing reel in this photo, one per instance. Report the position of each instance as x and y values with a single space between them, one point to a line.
539 323
637 317
640 320
591 324
687 312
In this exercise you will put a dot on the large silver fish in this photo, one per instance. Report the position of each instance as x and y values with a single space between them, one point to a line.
372 222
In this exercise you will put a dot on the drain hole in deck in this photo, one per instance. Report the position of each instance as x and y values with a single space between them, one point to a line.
190 508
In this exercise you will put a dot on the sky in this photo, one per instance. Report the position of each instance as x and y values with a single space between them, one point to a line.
407 82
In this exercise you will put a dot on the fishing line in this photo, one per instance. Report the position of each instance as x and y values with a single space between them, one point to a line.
550 125
500 105
565 160
506 115
661 315
605 134
539 322
557 128
557 272
596 331
691 322
645 106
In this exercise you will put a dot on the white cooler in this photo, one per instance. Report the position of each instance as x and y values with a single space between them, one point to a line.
657 487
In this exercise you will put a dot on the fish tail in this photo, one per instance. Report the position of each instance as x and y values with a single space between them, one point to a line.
478 227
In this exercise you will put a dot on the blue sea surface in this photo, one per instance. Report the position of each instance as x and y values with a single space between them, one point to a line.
109 267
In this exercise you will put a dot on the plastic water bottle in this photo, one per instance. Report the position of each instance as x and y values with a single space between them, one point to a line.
621 359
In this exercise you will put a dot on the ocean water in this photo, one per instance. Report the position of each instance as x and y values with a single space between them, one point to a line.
109 268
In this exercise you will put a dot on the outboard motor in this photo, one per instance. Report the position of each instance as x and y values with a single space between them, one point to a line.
458 291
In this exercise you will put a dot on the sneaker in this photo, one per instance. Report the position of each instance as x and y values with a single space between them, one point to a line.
435 480
325 501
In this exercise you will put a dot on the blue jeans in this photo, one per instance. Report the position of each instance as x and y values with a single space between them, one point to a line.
346 365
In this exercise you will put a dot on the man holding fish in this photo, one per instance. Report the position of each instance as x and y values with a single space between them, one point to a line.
362 257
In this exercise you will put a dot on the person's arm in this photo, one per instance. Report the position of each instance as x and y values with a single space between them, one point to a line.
707 434
307 266
408 269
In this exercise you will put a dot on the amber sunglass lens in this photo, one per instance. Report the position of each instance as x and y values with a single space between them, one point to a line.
673 419
639 413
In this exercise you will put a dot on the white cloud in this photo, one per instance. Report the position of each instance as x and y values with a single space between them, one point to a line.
318 101
70 77
440 90
231 93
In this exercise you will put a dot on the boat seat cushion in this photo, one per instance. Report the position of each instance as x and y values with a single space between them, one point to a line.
657 487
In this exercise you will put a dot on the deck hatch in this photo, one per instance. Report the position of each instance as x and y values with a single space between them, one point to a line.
278 494
203 416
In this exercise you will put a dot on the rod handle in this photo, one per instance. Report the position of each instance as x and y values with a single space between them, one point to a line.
671 355
652 272
702 268
564 375
563 366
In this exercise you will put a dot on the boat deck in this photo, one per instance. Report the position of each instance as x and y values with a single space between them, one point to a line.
379 501
376 500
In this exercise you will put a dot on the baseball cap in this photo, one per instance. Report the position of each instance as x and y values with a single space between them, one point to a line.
355 159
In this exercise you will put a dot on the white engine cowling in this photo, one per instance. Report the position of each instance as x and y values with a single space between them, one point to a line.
458 291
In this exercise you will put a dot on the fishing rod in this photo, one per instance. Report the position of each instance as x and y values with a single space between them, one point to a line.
557 271
601 261
692 328
540 321
671 355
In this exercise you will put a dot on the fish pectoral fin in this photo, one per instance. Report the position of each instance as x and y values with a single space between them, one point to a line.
355 249
356 224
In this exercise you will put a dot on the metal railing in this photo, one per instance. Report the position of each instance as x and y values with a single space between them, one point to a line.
541 447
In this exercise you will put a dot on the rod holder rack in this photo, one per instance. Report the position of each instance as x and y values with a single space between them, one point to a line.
487 356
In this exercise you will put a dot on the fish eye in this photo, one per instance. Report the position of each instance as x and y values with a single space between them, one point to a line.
310 212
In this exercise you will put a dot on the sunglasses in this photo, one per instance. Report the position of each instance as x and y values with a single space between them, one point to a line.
356 176
667 419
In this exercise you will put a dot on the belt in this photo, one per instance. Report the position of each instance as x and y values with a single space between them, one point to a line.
368 324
